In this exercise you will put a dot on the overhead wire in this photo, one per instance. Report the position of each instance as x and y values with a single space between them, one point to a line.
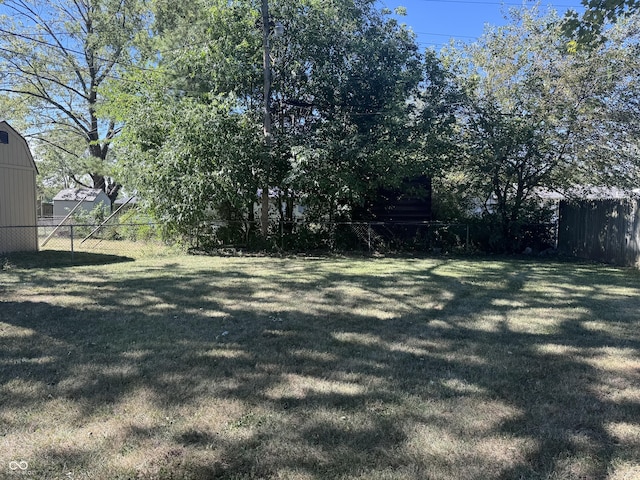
506 4
29 36
37 38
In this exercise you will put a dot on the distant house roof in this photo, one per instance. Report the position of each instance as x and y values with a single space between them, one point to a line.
77 194
587 193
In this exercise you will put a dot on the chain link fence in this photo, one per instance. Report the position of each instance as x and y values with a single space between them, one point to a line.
129 239
125 239
383 237
132 239
302 236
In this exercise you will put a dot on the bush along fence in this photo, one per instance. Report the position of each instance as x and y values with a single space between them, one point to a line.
216 236
334 236
383 237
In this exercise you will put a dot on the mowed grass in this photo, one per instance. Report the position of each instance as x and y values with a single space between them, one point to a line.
178 367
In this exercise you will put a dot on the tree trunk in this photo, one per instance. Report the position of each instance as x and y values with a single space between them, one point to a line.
266 60
264 212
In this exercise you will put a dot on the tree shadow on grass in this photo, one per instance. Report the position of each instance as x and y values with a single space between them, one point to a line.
203 383
59 258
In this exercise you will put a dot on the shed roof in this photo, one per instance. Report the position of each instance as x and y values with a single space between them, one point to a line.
77 194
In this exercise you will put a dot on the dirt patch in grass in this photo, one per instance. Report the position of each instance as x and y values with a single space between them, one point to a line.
246 368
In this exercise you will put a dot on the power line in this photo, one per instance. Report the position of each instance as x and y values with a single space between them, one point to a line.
26 35
487 2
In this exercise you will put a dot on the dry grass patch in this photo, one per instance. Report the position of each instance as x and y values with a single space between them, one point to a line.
265 368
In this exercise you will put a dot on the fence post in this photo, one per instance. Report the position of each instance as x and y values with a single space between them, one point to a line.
282 235
71 235
466 245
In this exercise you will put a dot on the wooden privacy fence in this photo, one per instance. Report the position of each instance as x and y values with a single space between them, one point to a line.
602 230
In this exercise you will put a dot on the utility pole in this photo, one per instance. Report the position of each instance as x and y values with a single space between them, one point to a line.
266 64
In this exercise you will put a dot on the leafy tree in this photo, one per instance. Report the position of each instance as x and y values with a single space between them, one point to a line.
344 107
186 165
537 115
54 58
348 104
191 145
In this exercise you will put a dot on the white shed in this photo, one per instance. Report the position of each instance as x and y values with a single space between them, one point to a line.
18 230
66 200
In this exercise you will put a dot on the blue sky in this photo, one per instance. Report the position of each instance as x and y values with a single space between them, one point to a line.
436 21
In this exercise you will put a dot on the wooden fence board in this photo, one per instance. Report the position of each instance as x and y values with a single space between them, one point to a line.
602 230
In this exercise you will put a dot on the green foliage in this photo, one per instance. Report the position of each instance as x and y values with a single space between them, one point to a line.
85 221
536 116
356 107
353 135
188 158
138 227
452 200
90 217
590 28
352 103
54 58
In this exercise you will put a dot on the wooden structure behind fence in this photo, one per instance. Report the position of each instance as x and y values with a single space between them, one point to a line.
601 230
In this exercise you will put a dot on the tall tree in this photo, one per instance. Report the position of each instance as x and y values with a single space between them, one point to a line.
190 116
537 115
55 55
342 102
345 87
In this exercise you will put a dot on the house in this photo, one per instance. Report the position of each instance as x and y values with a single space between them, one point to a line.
85 199
551 199
18 230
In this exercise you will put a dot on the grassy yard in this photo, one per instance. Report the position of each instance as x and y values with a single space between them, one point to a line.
176 367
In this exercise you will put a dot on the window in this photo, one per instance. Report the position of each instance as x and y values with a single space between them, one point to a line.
4 137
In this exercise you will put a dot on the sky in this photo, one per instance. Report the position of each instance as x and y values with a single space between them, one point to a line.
436 21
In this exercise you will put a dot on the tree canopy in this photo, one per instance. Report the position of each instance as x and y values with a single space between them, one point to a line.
55 55
590 26
350 102
537 115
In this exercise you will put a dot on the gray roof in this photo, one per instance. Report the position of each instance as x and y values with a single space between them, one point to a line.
77 194
587 193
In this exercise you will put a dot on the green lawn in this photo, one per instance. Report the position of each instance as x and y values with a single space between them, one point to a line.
317 368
